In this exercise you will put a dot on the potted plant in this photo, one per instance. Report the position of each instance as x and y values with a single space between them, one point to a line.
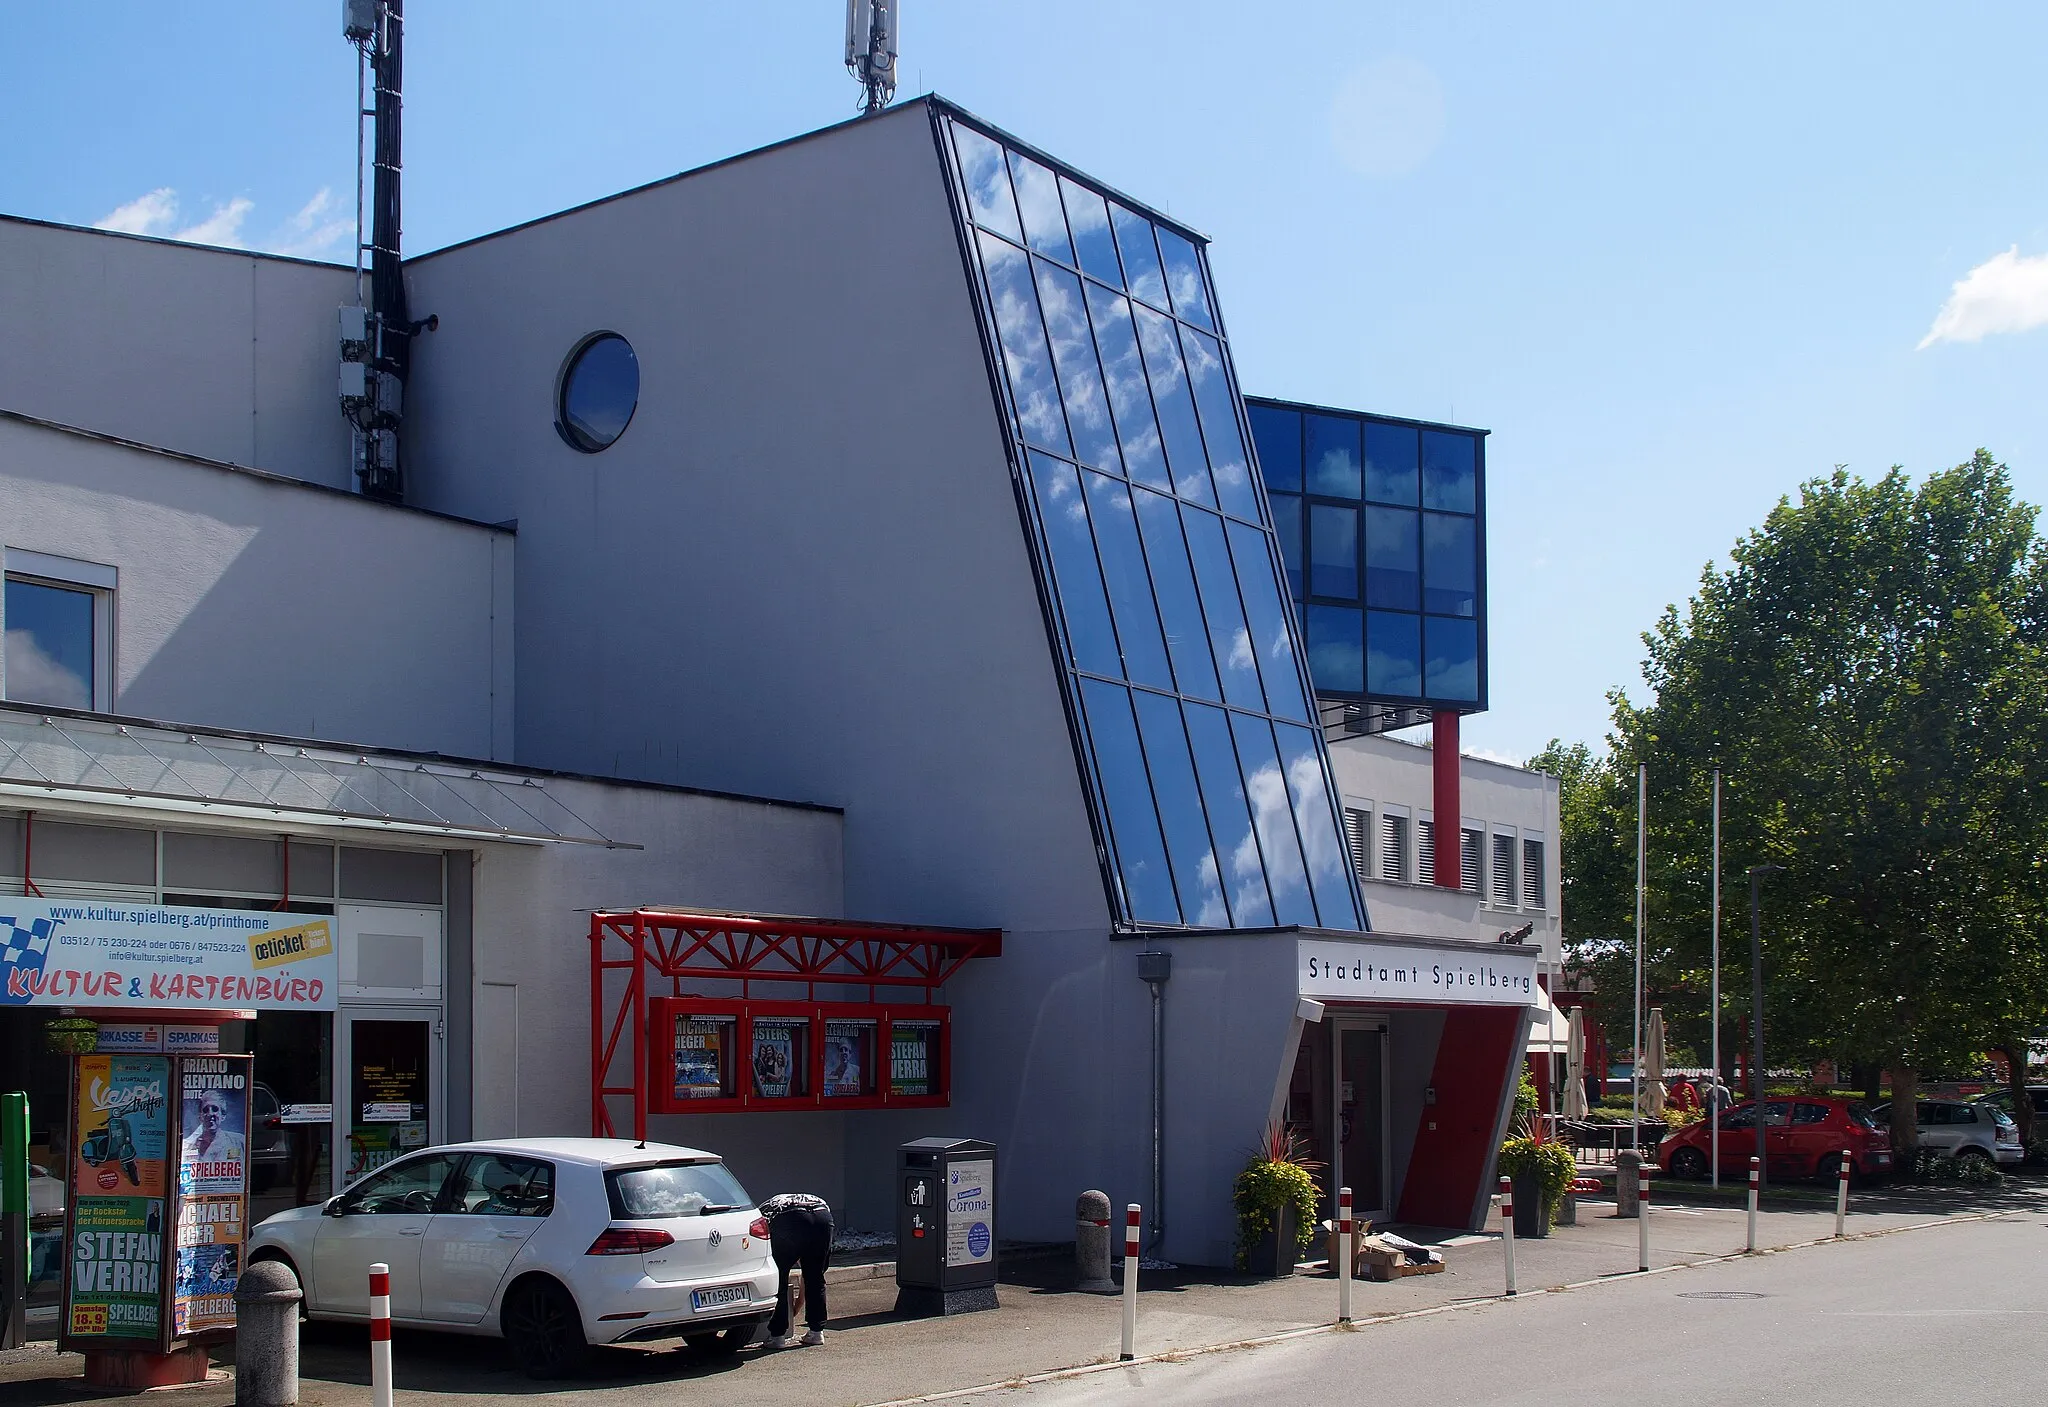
72 1035
1275 1197
1542 1170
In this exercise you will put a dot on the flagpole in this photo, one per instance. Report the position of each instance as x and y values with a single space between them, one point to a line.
1635 1075
1713 1114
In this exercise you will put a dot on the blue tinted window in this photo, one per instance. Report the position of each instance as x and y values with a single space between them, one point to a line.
1073 353
1336 655
1173 586
1228 637
1023 338
988 184
1393 654
1450 565
1038 201
1390 463
1127 794
1331 446
1218 407
1142 274
1184 279
1075 573
1333 551
1268 618
1244 877
1195 871
1273 819
1088 218
1450 471
1176 406
1322 844
1287 525
1277 433
1130 588
1129 399
599 392
49 645
1451 648
1393 559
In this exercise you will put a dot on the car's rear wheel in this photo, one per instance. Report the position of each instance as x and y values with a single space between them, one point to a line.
543 1329
1973 1151
1829 1169
724 1341
1688 1165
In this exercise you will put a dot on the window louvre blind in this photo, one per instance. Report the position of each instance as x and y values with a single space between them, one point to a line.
1425 852
1503 869
1532 874
1358 836
1468 861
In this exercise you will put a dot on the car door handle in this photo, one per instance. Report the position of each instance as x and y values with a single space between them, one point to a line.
412 1230
511 1235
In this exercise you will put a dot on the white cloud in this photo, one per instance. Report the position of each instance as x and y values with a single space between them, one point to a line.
1487 754
2006 293
1387 117
151 214
35 676
309 233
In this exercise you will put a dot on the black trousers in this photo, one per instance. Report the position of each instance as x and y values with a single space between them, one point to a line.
800 1238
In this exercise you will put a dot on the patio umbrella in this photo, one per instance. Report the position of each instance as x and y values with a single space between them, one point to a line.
1575 1065
1653 1065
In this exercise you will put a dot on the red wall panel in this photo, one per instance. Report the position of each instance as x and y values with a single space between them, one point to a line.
1475 1059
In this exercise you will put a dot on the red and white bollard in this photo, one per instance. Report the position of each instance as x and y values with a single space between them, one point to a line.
1643 1228
1130 1348
1842 1189
380 1335
1507 1228
1344 1255
1753 1166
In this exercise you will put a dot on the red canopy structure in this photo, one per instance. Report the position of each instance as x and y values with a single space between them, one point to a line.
676 945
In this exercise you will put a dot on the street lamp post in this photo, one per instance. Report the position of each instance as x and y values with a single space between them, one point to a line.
1756 1001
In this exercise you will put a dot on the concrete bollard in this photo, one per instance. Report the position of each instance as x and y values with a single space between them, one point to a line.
1842 1189
1628 1182
1753 1168
1507 1228
267 1336
1091 1243
1131 1257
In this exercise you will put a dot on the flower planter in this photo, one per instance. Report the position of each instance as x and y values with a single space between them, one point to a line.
1532 1212
1274 1253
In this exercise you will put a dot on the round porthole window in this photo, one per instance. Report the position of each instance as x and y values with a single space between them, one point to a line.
600 387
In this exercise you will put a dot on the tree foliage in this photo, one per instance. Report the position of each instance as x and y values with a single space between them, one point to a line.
1868 674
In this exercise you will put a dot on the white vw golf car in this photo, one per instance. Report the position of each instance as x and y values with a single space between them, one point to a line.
555 1243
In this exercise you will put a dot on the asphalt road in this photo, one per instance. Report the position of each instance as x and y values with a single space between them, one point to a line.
1954 1313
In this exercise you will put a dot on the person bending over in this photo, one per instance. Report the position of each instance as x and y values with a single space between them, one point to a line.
799 1236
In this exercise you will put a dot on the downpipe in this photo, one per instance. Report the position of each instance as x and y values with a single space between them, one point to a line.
1155 968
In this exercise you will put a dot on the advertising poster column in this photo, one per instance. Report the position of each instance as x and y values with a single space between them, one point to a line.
114 1242
213 1188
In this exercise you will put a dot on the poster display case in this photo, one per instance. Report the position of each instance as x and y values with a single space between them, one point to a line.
712 1055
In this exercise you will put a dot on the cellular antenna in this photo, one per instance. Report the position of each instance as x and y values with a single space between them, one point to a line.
871 50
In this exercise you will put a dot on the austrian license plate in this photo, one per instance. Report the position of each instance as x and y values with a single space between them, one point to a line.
718 1295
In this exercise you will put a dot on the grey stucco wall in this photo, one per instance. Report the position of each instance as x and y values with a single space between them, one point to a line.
245 602
214 352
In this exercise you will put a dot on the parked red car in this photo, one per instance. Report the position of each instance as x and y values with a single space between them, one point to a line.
1804 1136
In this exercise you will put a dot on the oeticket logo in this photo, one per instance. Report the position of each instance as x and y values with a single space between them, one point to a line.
278 946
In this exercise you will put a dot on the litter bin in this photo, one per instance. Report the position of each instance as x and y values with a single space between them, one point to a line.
945 1226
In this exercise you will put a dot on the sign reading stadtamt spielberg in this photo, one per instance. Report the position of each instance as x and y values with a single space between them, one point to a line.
94 953
1502 976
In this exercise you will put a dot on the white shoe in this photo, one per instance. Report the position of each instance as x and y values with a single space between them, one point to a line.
812 1339
775 1341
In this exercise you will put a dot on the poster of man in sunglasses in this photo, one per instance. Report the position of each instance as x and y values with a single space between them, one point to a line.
214 1156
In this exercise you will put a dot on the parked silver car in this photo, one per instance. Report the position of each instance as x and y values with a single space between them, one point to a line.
1964 1130
2037 1095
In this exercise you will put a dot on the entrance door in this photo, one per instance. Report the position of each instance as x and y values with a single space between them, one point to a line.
1361 1090
388 1079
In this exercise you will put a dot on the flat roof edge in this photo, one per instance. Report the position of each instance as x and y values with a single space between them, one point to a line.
229 249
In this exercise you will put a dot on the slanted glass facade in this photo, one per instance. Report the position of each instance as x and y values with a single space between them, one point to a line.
1209 779
1382 523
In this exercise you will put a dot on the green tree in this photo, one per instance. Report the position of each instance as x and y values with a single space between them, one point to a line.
1868 673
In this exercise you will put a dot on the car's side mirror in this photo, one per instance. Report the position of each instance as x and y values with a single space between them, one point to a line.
337 1205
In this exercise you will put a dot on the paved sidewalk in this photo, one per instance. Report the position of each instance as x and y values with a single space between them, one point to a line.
871 1357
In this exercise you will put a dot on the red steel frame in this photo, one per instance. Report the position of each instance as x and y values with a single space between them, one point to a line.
679 945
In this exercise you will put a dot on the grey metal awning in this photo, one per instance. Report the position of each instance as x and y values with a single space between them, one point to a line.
50 757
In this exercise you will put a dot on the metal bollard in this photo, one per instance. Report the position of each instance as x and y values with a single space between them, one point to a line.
1130 1348
1344 1255
1753 1164
1643 1230
1091 1242
1507 1228
1842 1189
267 1336
380 1335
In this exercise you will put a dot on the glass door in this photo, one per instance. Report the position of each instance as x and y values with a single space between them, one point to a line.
388 1076
1360 1080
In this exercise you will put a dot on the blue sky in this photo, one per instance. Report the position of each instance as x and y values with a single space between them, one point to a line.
1676 259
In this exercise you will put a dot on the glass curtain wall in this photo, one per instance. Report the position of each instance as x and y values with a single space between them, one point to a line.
1382 524
1182 664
